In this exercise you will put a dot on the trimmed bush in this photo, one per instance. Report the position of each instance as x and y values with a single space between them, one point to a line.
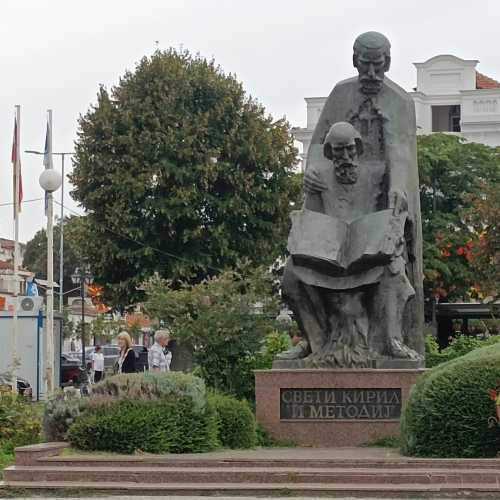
19 423
448 410
236 421
151 412
60 412
149 426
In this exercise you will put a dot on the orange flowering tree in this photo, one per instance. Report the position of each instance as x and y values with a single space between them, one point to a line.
457 183
484 251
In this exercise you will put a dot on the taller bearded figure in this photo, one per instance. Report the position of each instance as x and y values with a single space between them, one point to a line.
354 277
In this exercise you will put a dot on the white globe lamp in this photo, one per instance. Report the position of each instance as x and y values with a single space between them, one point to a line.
50 180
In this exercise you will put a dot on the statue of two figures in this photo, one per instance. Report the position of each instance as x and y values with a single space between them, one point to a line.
354 276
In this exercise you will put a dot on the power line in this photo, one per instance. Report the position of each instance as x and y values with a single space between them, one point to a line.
163 252
24 201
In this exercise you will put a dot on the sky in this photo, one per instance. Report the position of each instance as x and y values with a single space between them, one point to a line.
55 54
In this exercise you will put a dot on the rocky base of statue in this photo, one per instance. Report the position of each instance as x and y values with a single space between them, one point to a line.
348 353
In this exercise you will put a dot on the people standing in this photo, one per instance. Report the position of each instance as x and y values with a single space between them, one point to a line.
126 359
156 356
98 364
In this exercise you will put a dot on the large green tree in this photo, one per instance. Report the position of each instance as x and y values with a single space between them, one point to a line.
181 173
454 175
35 255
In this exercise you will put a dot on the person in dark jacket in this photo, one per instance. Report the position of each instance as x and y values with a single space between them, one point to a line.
126 359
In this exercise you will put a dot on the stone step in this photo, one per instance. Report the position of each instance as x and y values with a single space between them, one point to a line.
250 475
265 489
153 461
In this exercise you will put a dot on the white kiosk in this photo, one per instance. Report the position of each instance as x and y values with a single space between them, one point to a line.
30 343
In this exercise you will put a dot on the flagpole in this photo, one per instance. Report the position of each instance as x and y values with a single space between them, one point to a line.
50 270
17 180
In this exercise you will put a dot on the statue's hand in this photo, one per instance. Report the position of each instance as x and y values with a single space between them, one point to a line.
398 201
313 183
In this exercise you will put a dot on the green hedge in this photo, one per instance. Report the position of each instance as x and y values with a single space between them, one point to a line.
151 412
151 426
155 413
236 421
459 346
448 410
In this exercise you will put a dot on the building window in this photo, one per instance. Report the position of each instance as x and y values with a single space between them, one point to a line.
446 118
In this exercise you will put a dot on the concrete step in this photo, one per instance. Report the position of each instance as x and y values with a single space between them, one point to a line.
250 475
153 461
484 490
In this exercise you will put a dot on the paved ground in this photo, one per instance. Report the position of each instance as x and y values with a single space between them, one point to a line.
282 453
207 498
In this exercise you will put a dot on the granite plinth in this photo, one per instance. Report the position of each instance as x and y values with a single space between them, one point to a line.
332 407
381 363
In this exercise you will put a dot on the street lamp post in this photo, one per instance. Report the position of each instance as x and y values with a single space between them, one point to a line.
50 180
82 277
61 238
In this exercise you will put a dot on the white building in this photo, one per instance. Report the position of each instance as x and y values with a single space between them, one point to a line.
451 96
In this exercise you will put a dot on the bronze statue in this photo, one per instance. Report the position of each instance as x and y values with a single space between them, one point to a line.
354 276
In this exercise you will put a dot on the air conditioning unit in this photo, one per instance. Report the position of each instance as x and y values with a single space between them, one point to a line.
25 305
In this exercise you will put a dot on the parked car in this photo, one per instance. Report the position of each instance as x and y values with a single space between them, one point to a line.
110 352
23 386
77 355
70 368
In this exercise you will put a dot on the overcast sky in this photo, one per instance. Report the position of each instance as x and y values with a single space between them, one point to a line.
55 53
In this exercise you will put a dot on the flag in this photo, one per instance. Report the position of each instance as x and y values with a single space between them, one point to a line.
47 159
16 168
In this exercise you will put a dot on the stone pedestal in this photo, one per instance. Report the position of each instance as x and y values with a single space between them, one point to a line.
332 407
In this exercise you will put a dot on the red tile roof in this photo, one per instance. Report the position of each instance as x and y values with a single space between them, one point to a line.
485 82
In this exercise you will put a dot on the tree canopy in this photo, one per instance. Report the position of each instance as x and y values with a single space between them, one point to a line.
224 320
456 179
181 174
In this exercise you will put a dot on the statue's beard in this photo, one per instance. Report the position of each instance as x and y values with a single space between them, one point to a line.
347 173
371 85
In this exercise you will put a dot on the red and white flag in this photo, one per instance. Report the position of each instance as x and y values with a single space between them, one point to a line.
16 167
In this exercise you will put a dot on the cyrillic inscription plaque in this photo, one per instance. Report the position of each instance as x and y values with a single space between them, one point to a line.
340 404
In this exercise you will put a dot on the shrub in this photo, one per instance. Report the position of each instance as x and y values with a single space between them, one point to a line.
432 355
19 423
236 421
459 346
152 412
448 409
152 386
274 343
152 426
60 412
